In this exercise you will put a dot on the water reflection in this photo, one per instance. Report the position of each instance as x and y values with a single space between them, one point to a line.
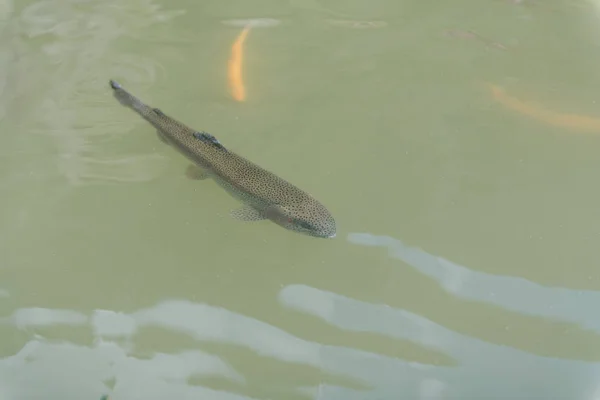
63 370
37 317
78 50
516 294
201 322
486 371
60 53
483 370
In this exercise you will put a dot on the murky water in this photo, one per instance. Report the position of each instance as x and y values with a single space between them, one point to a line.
456 143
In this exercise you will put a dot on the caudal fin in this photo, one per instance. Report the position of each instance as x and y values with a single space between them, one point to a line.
129 100
114 84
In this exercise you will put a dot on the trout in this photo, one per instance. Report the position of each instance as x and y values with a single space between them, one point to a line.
264 195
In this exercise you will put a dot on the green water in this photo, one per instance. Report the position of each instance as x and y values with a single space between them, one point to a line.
465 264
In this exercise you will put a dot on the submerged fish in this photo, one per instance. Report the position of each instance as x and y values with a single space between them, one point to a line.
234 68
264 194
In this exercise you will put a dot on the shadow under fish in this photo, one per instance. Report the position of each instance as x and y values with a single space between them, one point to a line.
264 194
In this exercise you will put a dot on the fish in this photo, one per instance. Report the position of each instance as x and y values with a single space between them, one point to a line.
234 69
578 122
264 195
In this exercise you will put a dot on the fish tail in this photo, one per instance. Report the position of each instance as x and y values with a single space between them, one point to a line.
129 100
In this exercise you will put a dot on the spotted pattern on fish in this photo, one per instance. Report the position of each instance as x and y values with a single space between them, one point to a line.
264 194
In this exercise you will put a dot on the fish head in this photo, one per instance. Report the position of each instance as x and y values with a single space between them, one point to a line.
310 218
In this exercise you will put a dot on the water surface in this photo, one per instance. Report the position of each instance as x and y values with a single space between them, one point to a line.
465 263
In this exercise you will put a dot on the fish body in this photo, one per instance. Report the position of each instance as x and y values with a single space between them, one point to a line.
235 66
264 194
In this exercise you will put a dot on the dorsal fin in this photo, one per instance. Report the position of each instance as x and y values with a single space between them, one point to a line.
158 112
210 139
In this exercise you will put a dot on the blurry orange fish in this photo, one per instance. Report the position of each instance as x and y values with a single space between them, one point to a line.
570 121
235 67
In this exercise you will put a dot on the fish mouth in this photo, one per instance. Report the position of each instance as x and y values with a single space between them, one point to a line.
323 235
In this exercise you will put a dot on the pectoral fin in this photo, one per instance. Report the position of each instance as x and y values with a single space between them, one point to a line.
247 213
196 173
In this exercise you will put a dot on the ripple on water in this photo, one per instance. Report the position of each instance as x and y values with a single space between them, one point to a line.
354 24
127 169
5 60
253 22
349 366
6 8
110 368
78 110
38 317
135 68
41 17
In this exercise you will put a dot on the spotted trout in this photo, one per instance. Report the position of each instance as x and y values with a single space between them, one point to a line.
264 195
